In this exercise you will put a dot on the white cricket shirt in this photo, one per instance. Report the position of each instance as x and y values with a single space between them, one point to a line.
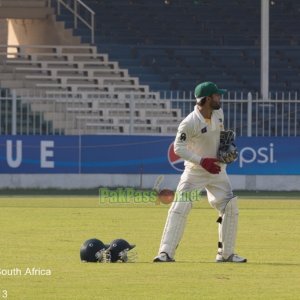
196 139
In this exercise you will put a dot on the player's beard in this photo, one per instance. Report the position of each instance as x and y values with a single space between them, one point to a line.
215 106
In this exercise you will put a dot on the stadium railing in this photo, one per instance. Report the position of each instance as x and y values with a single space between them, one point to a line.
140 113
80 12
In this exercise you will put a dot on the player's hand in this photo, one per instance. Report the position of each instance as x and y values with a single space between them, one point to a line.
209 164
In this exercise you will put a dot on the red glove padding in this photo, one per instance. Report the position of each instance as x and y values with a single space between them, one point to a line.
209 165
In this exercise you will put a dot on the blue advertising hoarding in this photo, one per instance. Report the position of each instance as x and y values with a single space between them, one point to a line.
39 154
131 154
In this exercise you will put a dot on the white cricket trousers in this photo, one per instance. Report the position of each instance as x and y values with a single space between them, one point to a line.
219 193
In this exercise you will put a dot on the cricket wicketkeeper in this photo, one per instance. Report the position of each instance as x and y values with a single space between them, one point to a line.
206 149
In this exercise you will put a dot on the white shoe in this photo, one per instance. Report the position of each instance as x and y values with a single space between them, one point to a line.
232 258
163 257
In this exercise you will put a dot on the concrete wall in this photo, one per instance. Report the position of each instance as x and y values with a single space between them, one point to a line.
21 9
71 181
39 32
3 31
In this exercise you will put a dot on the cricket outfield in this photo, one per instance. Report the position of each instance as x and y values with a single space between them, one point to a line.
41 236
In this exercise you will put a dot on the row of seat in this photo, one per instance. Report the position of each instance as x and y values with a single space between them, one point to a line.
80 71
114 116
79 90
124 32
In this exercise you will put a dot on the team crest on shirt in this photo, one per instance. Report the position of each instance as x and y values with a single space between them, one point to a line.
182 137
203 130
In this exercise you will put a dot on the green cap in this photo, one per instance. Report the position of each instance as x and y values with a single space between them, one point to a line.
206 89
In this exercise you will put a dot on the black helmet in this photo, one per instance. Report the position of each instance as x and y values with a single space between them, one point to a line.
118 250
92 250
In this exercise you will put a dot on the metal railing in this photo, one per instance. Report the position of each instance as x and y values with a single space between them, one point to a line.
129 113
79 10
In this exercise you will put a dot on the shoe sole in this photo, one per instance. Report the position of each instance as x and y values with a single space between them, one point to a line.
228 261
162 261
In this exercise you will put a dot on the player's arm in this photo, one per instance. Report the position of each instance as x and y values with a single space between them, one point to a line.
184 134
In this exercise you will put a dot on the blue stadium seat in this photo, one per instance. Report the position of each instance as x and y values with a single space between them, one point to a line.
183 38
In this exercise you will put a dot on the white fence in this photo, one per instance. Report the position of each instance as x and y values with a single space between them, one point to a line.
137 113
249 115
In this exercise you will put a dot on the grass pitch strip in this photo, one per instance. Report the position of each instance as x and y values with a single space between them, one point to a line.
41 236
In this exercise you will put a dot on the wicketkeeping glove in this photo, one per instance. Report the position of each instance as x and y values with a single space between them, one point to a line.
209 164
227 152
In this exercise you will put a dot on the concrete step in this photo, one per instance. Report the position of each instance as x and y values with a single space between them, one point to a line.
6 76
11 84
6 68
11 76
23 3
17 84
45 106
25 12
63 123
76 131
27 92
57 116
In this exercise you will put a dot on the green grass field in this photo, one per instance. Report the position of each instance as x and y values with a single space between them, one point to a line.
45 232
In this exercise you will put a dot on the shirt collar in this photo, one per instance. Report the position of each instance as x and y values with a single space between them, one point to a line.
198 114
202 119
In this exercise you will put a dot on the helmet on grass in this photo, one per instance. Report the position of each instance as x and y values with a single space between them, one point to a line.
93 250
118 251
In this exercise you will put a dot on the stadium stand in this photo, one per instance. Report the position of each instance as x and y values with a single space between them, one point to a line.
142 48
27 121
49 78
173 46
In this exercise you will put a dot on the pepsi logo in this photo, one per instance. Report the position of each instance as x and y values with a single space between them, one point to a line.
175 161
